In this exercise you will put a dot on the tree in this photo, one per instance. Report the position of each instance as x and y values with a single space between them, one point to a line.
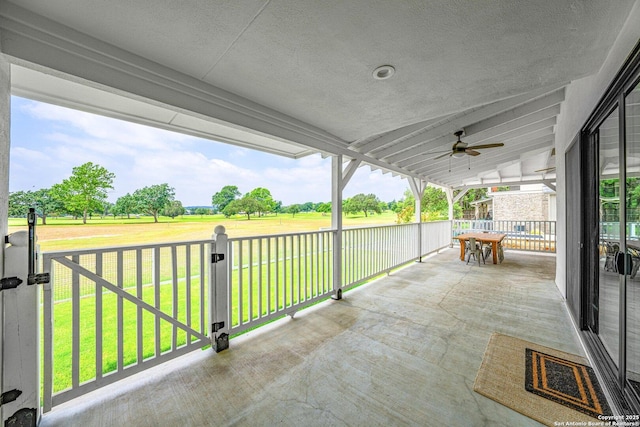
470 196
264 198
153 199
434 203
125 205
107 209
323 208
85 190
46 203
293 210
362 203
19 203
307 207
278 206
247 206
222 198
202 211
173 209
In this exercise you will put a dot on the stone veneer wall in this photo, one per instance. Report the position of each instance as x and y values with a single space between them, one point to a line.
526 206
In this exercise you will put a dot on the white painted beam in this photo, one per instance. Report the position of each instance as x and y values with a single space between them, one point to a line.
446 131
348 172
394 135
540 104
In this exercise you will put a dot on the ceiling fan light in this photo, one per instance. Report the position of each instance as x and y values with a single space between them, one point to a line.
458 155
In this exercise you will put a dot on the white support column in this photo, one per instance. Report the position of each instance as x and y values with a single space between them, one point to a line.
453 200
5 120
219 291
336 223
417 188
450 201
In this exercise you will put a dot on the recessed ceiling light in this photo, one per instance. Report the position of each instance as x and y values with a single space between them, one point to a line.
383 72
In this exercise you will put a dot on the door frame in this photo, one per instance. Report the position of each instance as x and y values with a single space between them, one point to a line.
624 399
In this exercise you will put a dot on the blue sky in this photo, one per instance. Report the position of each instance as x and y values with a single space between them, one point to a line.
47 141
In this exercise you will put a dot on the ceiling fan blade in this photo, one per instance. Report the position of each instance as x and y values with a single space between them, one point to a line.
448 153
471 152
546 170
494 145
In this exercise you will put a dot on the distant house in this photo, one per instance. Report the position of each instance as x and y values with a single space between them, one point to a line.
525 202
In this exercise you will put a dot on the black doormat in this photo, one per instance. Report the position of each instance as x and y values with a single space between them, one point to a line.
568 383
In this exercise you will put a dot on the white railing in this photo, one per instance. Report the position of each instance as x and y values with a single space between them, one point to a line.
277 275
526 235
434 236
271 276
109 313
112 312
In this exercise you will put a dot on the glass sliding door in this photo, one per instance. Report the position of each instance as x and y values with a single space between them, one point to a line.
607 298
610 264
632 288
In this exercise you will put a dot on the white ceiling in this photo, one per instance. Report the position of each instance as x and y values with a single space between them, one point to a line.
295 76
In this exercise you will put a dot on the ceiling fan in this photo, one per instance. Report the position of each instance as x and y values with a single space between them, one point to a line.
460 149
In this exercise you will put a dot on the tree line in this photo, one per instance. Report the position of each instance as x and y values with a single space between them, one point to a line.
230 201
85 193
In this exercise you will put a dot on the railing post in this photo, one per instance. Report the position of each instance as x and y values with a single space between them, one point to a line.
336 224
219 290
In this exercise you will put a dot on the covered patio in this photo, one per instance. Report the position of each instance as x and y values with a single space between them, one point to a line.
402 350
385 85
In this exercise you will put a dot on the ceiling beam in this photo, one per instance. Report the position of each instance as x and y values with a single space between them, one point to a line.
554 99
394 135
504 133
472 116
501 183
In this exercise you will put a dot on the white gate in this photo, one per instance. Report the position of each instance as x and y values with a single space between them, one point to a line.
122 310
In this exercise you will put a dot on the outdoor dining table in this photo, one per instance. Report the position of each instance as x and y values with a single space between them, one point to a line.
493 238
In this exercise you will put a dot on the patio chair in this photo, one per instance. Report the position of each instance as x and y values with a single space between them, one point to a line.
611 250
475 250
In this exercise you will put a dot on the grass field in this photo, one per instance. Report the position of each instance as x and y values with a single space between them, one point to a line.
66 233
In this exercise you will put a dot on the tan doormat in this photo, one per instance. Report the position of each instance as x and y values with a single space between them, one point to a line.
502 377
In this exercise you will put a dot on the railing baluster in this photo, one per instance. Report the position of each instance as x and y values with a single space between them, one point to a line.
240 285
139 319
250 281
156 293
269 262
260 281
174 296
75 316
203 267
187 266
120 311
98 314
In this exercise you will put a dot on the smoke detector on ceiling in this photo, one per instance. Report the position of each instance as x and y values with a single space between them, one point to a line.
383 72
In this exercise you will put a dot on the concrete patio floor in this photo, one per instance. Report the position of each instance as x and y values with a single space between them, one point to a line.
403 350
